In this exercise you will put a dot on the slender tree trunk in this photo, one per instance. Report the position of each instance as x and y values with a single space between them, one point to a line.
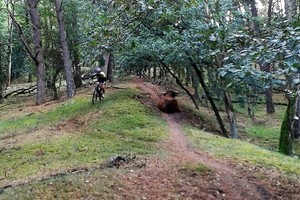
110 67
38 56
290 7
10 43
296 118
286 140
196 86
230 116
264 66
270 11
254 14
209 98
154 77
269 92
65 50
188 75
77 67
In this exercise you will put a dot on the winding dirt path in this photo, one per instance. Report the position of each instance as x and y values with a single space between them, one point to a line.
169 179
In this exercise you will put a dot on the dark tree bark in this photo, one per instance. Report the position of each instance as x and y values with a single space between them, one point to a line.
296 117
286 140
37 56
65 50
254 14
9 6
270 11
110 67
154 77
196 86
269 92
209 98
77 69
230 116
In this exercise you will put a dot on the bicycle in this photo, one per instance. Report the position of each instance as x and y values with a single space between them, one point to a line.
98 93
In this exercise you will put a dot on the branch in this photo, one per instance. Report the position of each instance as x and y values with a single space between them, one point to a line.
22 37
178 81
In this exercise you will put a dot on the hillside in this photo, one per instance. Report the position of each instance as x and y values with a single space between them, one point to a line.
124 148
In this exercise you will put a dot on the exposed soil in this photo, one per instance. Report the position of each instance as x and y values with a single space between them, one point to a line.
174 178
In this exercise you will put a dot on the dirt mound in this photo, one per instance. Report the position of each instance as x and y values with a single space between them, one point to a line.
189 174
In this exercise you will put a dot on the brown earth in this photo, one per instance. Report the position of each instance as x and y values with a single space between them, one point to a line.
174 178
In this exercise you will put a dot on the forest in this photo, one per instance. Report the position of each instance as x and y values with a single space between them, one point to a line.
251 48
227 55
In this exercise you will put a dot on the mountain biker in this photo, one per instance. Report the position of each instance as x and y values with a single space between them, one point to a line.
101 79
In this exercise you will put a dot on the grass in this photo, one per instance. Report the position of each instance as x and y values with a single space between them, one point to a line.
199 167
242 151
97 184
68 109
119 125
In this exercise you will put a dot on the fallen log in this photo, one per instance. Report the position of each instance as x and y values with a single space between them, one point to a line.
21 91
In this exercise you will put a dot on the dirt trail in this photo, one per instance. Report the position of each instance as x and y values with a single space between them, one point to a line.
166 179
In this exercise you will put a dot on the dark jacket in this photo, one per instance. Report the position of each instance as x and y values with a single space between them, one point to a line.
100 79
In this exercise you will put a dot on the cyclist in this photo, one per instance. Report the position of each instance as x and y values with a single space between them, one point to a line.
101 79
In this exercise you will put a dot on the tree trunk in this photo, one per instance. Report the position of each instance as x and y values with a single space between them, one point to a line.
65 50
110 67
38 52
296 118
10 43
188 76
230 115
154 77
209 98
30 77
196 86
77 67
266 67
285 142
270 11
254 14
290 8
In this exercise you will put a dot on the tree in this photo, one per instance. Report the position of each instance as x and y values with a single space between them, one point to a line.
9 6
37 56
65 50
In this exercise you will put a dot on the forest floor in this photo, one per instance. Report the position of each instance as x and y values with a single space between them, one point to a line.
223 179
188 173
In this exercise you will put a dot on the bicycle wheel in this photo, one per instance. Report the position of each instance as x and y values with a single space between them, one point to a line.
94 98
100 95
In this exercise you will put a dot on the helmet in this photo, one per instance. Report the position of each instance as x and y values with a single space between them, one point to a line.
98 70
